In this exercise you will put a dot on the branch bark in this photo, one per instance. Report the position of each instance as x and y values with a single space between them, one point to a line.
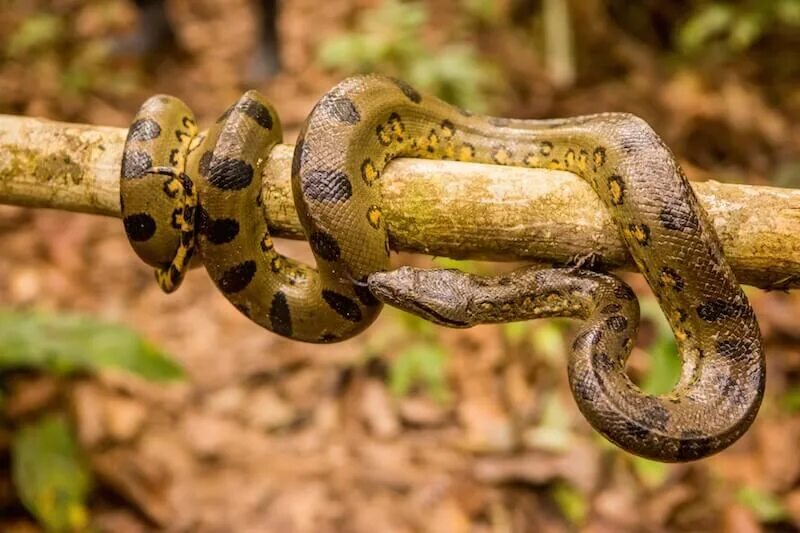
442 208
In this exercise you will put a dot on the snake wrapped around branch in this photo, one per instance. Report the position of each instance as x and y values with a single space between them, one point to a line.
183 190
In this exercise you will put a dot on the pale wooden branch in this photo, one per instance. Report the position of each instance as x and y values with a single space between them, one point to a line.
441 208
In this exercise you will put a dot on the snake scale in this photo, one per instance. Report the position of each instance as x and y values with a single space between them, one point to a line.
182 189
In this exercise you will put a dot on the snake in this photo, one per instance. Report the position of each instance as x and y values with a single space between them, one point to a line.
186 193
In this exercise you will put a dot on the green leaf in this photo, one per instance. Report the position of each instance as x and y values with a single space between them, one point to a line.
766 506
746 30
547 340
36 32
665 368
414 324
553 432
515 332
712 21
487 11
665 363
388 38
790 400
571 502
420 364
65 344
788 12
464 265
651 473
50 475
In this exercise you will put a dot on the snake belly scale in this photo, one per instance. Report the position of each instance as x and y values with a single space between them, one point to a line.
350 136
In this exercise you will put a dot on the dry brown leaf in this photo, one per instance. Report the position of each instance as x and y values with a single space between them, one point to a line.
739 519
142 481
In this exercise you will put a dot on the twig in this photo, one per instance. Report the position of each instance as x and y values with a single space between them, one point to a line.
441 208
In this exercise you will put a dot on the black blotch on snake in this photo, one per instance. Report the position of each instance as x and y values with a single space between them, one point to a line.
693 445
341 108
174 275
732 349
139 227
176 217
144 129
599 156
603 361
324 245
279 315
365 295
678 216
658 415
135 164
344 306
410 92
299 153
624 292
225 114
590 337
238 277
616 189
205 162
715 310
221 230
669 277
230 174
635 430
331 186
585 387
641 233
257 111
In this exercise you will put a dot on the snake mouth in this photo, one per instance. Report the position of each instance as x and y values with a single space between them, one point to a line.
441 318
427 312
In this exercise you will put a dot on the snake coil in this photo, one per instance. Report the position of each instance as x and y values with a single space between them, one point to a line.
181 189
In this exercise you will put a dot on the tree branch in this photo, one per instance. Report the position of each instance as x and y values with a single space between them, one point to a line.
459 210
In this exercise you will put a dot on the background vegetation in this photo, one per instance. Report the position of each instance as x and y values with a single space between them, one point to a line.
410 427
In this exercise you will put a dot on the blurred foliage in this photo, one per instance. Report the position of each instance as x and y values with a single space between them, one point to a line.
665 364
36 34
423 364
790 400
388 39
65 344
483 11
465 265
571 501
419 362
736 25
547 341
766 506
652 474
553 433
47 37
50 474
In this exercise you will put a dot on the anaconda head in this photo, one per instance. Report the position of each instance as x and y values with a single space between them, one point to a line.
438 295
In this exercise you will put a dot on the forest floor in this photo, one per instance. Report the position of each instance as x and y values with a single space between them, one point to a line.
268 434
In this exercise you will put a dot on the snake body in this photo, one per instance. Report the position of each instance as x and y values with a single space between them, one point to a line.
350 136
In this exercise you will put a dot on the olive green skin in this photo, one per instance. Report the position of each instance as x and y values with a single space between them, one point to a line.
363 123
157 199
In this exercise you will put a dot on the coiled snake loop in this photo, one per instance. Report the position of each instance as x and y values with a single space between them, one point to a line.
354 131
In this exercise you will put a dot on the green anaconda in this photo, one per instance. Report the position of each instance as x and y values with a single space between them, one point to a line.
181 189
